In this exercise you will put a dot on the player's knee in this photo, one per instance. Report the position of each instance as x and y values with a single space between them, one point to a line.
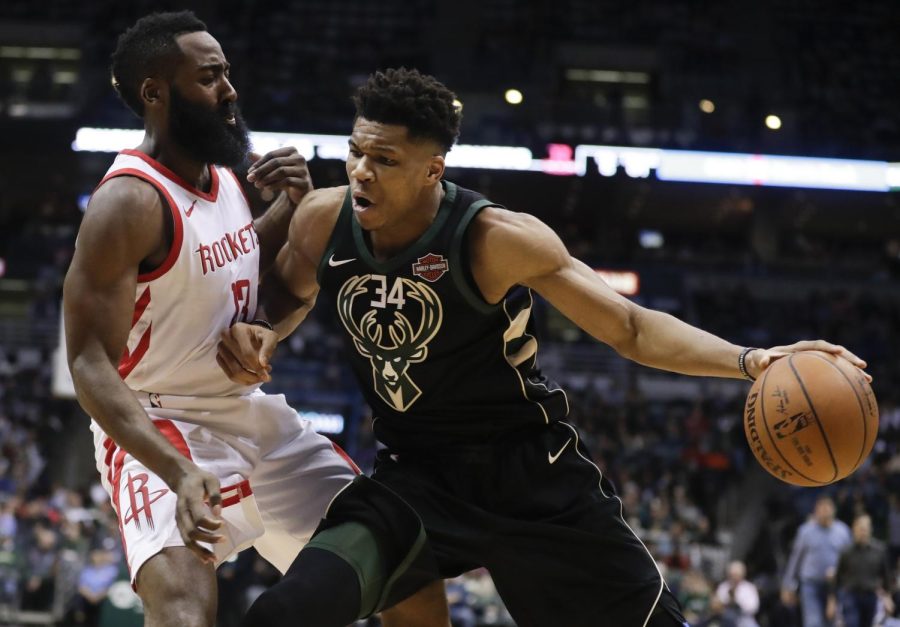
179 610
270 609
300 601
177 591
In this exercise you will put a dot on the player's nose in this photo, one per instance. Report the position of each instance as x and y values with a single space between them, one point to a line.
230 93
361 170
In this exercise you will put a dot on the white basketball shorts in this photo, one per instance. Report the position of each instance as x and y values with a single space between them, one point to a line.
277 475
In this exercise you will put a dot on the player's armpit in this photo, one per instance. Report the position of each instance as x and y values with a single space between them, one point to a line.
511 249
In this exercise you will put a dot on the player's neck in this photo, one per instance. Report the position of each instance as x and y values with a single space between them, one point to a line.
390 240
170 155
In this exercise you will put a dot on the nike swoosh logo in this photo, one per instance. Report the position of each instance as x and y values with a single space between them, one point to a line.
190 210
552 458
334 263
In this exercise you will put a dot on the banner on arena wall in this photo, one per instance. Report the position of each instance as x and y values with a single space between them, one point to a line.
564 160
625 282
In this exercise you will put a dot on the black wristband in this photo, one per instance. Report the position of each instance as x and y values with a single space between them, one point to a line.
263 323
742 363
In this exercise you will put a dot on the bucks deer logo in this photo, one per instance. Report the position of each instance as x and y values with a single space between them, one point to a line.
407 343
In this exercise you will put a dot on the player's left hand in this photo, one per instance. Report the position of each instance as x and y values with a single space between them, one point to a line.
283 169
760 359
245 351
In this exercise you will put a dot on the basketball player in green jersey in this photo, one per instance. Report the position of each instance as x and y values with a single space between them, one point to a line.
432 284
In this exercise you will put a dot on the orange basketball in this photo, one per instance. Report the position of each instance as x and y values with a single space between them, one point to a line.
811 418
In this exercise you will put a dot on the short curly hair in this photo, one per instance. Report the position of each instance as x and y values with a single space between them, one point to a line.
149 49
417 101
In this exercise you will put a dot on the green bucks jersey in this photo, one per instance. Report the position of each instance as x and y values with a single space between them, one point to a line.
437 363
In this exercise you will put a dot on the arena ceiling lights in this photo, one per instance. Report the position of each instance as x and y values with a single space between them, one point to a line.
564 160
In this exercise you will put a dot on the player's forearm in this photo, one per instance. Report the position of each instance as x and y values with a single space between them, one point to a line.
272 230
104 396
665 342
283 309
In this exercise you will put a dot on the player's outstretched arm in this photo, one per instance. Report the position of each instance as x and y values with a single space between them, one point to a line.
511 248
123 225
288 292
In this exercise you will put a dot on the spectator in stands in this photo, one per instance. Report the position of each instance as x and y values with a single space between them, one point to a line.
893 527
462 614
739 597
10 569
862 577
695 595
41 562
93 583
813 562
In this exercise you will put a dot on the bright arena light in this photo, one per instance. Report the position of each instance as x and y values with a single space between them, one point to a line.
707 106
457 104
773 122
562 159
513 96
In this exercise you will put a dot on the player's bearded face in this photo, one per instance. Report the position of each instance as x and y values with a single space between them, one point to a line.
203 133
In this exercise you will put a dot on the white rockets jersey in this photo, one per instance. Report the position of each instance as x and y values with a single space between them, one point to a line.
207 282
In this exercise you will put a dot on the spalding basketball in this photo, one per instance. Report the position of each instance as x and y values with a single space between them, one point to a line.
811 418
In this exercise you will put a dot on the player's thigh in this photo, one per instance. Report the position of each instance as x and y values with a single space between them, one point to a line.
177 590
426 608
293 486
576 574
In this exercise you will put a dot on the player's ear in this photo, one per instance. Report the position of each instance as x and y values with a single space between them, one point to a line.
435 169
152 92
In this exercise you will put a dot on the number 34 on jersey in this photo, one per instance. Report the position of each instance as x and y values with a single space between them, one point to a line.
391 348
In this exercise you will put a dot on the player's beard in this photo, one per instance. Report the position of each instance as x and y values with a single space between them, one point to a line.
204 134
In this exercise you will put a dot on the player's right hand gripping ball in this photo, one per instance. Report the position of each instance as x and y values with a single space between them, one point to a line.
811 419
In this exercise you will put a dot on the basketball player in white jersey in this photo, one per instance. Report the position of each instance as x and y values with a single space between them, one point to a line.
167 259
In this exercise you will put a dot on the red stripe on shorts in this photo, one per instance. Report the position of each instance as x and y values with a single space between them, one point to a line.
173 435
241 490
116 470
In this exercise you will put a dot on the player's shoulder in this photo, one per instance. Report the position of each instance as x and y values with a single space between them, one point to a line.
325 200
495 224
512 234
128 191
316 215
124 222
509 247
125 202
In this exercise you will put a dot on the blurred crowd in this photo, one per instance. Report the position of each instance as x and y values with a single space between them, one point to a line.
721 529
744 263
827 70
681 467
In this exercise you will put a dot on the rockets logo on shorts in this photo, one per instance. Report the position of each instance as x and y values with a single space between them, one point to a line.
140 500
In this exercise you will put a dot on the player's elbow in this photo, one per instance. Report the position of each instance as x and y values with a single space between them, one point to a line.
81 369
626 338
